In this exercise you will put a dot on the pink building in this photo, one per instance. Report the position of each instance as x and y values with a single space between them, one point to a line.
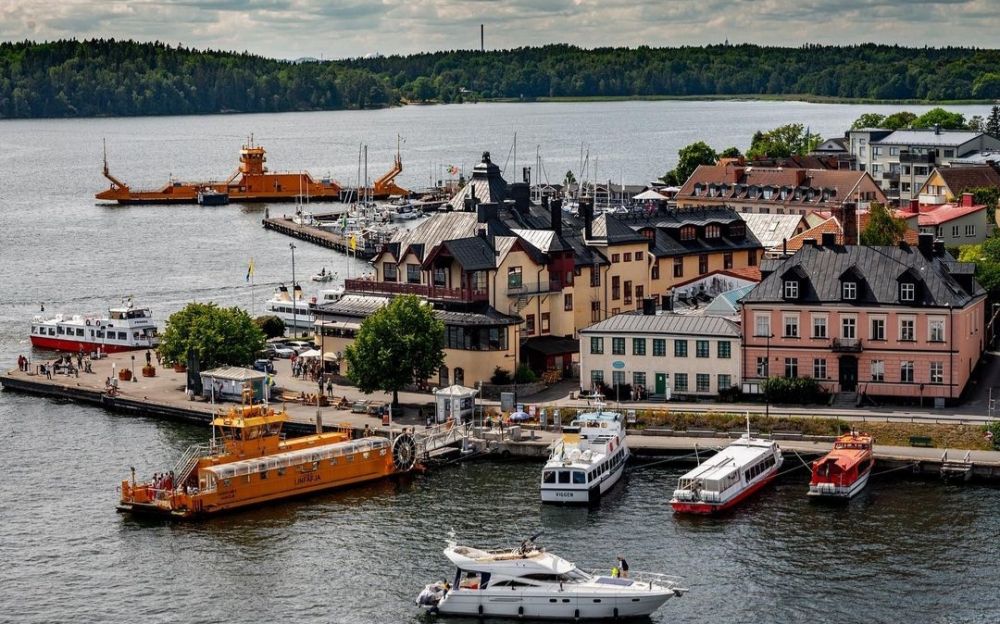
904 321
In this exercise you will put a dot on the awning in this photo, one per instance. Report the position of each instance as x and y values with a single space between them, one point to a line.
311 353
552 345
650 194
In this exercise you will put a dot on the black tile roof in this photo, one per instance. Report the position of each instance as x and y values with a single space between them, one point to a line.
879 270
474 253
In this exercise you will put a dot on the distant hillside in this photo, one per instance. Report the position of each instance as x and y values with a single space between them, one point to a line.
108 77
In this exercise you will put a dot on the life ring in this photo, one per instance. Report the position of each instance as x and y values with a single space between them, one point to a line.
88 322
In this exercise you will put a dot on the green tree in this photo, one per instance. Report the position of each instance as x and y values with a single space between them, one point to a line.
883 229
569 179
989 196
976 124
987 86
940 117
897 121
731 152
993 122
783 141
688 159
868 120
271 325
218 336
398 345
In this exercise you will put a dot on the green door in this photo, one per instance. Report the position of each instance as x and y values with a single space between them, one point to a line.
661 383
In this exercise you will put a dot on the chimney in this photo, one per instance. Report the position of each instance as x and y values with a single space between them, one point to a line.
482 40
937 129
847 215
925 243
966 200
667 303
733 174
809 242
520 192
649 306
913 207
470 200
587 211
939 248
555 211
526 175
784 246
485 212
829 239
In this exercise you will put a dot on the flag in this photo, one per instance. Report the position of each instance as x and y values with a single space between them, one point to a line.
343 223
353 242
250 270
453 170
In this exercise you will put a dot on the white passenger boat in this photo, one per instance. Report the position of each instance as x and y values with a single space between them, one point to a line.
729 477
528 582
296 312
588 460
125 328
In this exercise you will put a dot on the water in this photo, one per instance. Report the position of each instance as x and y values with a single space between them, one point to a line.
904 551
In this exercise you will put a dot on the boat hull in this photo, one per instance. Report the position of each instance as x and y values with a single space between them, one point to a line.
584 495
830 491
707 509
75 346
546 606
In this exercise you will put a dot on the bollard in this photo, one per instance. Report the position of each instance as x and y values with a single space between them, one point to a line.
319 422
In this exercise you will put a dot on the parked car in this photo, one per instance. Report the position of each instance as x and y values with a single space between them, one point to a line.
264 366
300 346
284 352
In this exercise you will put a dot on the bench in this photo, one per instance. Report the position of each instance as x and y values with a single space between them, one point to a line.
923 441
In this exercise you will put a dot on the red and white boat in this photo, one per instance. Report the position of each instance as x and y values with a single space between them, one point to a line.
844 471
125 328
729 477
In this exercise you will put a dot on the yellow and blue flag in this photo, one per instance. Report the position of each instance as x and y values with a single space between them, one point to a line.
250 270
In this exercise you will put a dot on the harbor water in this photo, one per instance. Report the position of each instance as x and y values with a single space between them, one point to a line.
906 550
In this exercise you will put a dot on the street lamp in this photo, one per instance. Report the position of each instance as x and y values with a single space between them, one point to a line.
133 368
295 333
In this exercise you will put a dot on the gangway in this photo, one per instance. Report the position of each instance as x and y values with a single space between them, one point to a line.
447 434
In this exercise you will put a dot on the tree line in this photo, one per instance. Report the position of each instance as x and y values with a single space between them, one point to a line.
122 77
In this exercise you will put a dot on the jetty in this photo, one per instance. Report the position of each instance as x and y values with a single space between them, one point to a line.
324 237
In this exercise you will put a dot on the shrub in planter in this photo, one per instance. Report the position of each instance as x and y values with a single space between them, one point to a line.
149 370
501 377
180 368
125 375
525 375
800 390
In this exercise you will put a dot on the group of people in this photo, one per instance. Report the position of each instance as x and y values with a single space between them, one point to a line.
163 481
64 364
620 569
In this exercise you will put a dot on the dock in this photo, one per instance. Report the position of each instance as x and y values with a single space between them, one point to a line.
319 236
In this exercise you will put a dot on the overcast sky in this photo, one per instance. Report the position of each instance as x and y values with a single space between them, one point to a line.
349 28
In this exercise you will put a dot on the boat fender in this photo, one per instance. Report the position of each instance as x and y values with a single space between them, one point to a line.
616 613
88 322
520 612
576 614
480 609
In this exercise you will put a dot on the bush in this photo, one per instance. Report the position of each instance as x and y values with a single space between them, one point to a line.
501 377
798 390
994 429
271 325
525 375
731 394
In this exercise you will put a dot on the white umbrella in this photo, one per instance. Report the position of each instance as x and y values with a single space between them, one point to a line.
311 353
650 194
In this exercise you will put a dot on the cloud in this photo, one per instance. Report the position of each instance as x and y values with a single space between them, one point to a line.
351 28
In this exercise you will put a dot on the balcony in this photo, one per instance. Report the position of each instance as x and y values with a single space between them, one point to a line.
371 287
890 176
914 157
527 290
846 345
933 200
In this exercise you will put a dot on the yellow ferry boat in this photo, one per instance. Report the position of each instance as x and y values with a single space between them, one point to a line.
251 463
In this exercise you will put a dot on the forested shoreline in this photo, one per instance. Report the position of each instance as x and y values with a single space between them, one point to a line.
119 78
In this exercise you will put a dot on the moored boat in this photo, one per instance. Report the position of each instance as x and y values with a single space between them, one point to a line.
588 460
293 308
528 582
729 477
125 328
844 471
252 463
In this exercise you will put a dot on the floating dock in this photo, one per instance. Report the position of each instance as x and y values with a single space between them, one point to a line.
322 237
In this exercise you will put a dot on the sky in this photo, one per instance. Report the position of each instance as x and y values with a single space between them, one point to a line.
332 29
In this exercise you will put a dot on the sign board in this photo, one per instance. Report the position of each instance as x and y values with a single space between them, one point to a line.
630 416
618 365
556 419
506 401
542 418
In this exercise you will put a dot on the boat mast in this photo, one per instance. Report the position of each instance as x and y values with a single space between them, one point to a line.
748 427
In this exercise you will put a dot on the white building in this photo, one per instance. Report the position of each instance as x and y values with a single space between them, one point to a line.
668 354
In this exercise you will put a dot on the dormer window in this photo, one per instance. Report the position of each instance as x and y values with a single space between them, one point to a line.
849 291
791 289
713 231
737 231
687 233
697 189
907 292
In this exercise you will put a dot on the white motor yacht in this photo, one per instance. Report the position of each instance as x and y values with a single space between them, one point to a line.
296 312
588 460
528 582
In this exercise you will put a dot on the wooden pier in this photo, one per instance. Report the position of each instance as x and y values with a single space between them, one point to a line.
320 236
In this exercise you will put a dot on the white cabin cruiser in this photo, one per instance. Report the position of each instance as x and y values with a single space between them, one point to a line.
588 460
729 477
296 312
529 582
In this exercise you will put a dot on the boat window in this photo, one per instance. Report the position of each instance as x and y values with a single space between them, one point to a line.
564 476
60 331
579 477
52 331
549 476
122 335
79 331
263 475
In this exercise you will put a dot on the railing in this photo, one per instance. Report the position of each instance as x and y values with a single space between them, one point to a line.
890 175
187 462
442 435
847 345
913 157
421 290
534 289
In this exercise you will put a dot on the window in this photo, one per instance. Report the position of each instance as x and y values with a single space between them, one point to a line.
906 332
618 346
678 267
638 346
849 327
638 297
949 153
752 257
655 272
907 292
514 277
638 256
819 326
762 367
849 291
702 264
894 151
937 372
659 347
713 231
935 330
595 311
954 231
628 292
878 329
725 382
627 257
970 231
680 348
702 382
596 378
618 378
819 368
701 348
639 379
568 301
413 274
681 382
878 370
727 260
597 345
791 367
440 276
724 350
791 289
529 324
616 257
616 287
545 323
389 273
792 326
906 372
762 325
595 276
687 233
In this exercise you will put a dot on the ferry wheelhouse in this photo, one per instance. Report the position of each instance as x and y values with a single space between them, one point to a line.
125 328
729 477
844 471
528 582
252 463
292 308
588 460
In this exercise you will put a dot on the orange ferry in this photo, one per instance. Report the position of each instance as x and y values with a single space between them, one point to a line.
252 182
252 463
844 471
